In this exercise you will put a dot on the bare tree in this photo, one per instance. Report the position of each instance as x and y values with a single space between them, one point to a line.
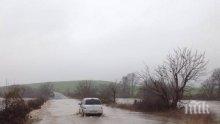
128 85
181 67
85 89
208 88
46 90
216 78
154 87
125 87
132 83
114 90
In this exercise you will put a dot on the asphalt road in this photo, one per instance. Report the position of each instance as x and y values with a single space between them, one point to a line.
65 111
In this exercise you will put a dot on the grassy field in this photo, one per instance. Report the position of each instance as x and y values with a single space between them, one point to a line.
62 86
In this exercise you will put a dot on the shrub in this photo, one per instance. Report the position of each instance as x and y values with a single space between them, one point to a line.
150 105
15 110
36 103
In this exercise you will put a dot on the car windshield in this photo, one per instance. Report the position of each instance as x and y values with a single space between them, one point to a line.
92 102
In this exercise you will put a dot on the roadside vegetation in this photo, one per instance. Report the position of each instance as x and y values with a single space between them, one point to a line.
161 90
64 86
16 108
106 92
158 92
210 89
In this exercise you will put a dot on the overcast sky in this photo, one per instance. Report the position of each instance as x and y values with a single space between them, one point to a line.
53 40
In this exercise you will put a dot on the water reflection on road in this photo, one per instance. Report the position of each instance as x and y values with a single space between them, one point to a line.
64 111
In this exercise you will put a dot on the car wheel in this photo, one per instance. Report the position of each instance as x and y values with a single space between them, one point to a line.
83 114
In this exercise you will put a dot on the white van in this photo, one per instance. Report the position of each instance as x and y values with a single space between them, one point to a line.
91 106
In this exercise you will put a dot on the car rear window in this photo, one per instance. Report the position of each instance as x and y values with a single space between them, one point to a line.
93 102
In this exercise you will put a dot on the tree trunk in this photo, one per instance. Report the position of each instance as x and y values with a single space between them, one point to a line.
176 99
114 97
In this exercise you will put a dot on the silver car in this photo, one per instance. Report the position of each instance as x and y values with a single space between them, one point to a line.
91 106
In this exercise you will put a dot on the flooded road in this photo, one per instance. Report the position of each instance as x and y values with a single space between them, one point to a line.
62 110
65 111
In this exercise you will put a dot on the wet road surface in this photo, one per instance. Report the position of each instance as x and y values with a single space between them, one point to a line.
65 111
62 110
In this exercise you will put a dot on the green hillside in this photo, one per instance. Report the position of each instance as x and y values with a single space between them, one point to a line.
62 86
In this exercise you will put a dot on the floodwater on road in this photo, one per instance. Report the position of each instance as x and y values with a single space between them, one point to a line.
65 111
62 110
